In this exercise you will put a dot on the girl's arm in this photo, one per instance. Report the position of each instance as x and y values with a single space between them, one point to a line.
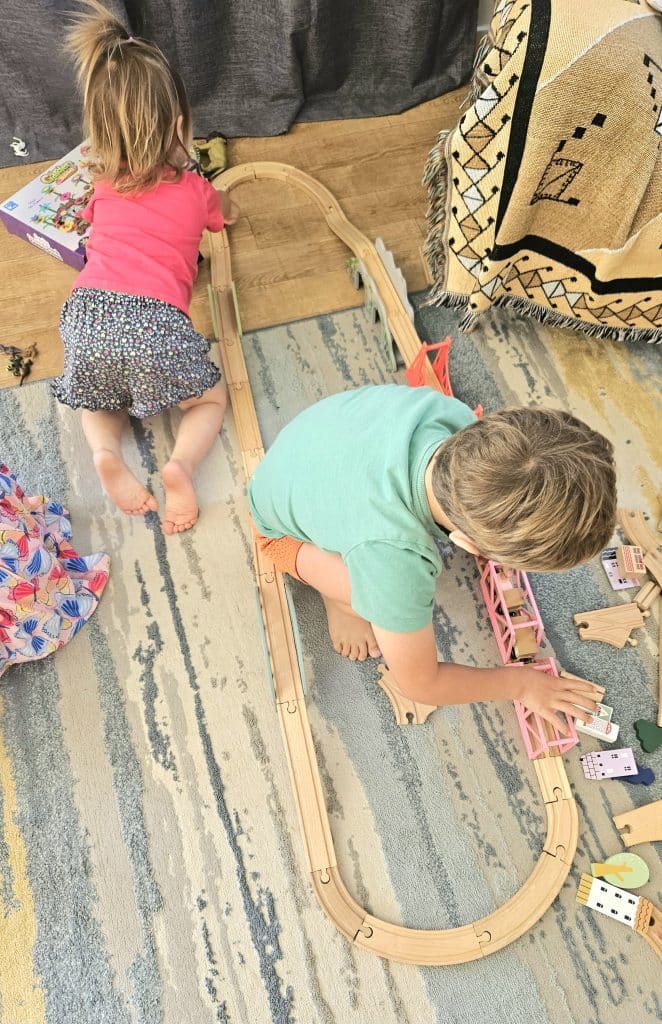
229 209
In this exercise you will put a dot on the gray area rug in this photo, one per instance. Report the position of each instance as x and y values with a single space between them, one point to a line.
151 869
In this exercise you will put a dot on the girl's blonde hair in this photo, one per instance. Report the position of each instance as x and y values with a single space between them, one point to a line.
533 488
132 100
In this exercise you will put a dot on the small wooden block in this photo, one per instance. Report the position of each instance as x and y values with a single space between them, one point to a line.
525 644
630 560
611 625
513 598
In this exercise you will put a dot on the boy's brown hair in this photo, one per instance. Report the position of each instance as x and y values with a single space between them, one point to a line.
132 99
532 488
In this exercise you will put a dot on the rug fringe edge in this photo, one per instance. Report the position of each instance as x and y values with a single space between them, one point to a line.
652 335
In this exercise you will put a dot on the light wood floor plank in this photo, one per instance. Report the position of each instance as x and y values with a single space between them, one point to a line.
286 262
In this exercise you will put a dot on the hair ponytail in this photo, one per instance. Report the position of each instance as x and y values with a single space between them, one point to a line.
94 34
132 100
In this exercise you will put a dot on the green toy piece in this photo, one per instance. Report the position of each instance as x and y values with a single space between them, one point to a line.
649 735
630 871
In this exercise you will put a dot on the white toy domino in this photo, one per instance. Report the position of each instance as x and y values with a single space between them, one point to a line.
601 726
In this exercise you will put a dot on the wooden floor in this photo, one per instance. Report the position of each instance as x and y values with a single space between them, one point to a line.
286 263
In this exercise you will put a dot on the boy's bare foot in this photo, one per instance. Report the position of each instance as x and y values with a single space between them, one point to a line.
181 509
120 484
350 635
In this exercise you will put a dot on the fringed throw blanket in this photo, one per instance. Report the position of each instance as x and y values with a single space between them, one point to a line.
547 194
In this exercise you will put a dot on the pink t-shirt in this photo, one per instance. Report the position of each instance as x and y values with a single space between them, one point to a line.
147 244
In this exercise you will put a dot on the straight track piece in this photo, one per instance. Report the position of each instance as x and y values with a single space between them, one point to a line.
642 825
307 785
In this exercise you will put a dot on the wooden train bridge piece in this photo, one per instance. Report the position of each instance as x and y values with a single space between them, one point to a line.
392 941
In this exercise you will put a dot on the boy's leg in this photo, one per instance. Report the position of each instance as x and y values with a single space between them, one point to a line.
103 430
198 429
350 635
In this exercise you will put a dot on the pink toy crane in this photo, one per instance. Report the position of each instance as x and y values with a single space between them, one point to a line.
519 630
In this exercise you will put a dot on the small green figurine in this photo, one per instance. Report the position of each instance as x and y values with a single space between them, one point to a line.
649 735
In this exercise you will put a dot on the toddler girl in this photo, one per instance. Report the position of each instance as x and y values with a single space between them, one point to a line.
130 347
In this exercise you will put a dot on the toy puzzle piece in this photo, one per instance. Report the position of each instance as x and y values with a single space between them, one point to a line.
644 777
608 764
628 870
649 735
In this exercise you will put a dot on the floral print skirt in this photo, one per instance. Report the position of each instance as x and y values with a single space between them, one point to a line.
47 590
130 352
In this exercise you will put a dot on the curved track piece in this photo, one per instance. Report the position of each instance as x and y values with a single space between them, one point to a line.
408 945
638 532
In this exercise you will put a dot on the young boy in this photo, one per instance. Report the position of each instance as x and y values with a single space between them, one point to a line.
353 493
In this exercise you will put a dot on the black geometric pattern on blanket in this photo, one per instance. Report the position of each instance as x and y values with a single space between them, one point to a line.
561 171
481 248
651 79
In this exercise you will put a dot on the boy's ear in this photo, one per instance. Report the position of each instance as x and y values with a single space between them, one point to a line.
462 541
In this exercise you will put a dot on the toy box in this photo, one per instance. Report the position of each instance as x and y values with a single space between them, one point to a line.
47 211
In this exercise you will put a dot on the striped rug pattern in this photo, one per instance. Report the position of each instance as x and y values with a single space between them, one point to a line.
151 869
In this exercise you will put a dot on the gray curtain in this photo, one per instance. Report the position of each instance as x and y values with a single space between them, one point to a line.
251 67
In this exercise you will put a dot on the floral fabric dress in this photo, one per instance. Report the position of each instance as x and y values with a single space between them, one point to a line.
47 590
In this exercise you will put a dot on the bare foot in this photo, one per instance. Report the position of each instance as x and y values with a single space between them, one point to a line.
120 484
181 510
350 635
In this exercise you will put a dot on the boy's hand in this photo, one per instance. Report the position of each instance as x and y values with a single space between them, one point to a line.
548 695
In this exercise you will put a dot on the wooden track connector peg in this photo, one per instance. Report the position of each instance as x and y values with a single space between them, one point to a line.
406 710
642 825
611 625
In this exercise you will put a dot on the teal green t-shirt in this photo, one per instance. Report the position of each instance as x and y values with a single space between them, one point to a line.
348 475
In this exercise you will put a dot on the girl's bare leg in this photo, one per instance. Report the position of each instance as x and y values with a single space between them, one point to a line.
103 430
350 635
197 432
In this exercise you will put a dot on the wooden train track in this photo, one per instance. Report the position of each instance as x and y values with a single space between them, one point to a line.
392 941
